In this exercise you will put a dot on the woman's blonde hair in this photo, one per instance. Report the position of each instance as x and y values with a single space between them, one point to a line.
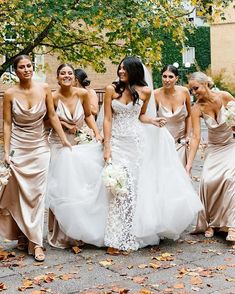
202 78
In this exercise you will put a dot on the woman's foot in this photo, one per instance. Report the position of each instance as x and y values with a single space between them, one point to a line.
231 235
23 242
209 232
37 252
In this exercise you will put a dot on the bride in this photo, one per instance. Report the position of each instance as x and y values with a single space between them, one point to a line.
160 200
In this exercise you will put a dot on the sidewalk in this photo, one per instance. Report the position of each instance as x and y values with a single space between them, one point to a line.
192 264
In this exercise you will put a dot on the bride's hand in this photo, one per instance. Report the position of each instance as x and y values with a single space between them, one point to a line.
189 170
107 153
158 121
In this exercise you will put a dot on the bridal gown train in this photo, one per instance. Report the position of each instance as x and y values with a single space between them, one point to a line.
22 200
160 200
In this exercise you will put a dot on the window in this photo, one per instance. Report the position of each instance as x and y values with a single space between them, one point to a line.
188 55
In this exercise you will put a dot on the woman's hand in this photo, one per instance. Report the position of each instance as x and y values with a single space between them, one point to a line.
6 158
158 121
99 138
107 153
66 143
189 169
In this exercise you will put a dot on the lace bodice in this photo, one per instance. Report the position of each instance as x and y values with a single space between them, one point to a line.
125 118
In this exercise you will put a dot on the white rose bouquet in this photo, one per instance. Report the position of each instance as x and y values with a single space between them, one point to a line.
84 135
5 172
230 113
115 178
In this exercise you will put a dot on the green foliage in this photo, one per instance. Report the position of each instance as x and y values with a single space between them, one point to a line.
87 32
200 39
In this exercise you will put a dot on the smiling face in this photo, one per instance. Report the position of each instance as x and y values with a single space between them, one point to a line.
66 76
24 69
122 73
197 89
169 79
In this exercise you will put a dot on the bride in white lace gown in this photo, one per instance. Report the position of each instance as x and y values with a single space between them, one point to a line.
160 200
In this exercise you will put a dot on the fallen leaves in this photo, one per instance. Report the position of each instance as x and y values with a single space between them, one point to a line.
76 249
2 287
106 263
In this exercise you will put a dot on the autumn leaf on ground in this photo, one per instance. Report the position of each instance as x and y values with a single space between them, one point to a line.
142 266
106 263
113 251
145 291
139 280
2 287
120 290
155 265
230 279
196 281
76 249
66 277
27 284
179 286
164 257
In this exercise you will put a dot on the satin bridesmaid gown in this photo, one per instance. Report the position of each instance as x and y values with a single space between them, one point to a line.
22 200
217 186
176 127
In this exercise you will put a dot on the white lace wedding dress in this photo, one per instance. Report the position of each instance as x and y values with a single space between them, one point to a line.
161 201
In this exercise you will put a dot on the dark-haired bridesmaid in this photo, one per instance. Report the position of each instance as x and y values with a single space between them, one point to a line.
173 103
82 81
22 200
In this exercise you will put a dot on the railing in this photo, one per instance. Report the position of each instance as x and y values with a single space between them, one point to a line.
99 92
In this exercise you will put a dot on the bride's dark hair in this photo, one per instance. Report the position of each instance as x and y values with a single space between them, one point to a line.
135 71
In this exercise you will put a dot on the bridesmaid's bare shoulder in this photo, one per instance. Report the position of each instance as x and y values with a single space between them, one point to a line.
226 97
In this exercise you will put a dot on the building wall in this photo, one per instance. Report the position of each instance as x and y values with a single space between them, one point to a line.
223 45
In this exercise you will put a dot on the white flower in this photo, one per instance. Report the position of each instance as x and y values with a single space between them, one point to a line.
115 179
84 135
230 113
5 173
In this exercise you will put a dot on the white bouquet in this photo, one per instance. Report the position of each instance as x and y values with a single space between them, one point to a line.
84 135
115 178
230 113
5 173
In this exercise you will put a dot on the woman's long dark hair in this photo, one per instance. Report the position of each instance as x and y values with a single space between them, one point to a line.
135 71
82 77
171 68
18 59
62 66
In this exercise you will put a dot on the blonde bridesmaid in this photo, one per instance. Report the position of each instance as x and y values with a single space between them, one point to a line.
173 103
217 186
22 200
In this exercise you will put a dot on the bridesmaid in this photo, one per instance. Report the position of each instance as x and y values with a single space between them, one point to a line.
22 200
217 186
73 107
82 81
173 103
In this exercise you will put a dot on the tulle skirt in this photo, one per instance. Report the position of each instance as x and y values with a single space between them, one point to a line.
166 201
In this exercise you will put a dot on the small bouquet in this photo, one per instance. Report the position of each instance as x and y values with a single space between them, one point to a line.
115 178
230 113
84 135
5 173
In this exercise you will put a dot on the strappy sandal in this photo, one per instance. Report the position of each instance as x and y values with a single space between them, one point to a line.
231 235
37 252
209 233
23 243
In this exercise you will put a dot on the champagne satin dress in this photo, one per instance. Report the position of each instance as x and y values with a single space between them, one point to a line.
22 200
176 126
217 187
